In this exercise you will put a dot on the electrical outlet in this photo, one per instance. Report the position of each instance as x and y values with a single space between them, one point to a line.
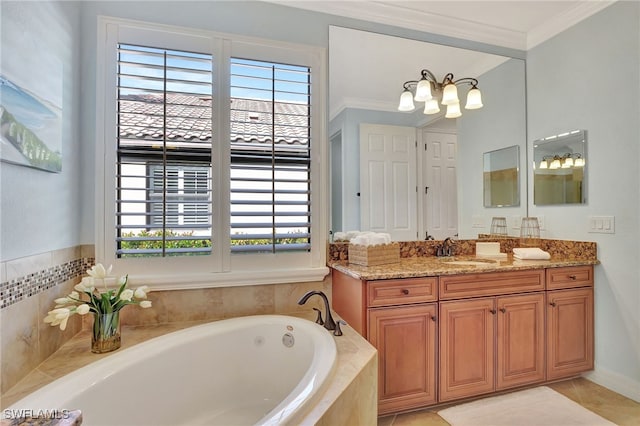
477 222
602 224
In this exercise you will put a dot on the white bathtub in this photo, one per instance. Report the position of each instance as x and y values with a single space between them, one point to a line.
240 371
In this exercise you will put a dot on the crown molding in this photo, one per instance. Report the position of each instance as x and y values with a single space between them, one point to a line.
396 15
359 103
565 20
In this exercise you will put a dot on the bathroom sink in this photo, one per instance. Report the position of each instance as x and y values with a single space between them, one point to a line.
470 262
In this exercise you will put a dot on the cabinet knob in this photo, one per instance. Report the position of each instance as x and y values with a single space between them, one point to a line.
573 277
405 291
552 303
433 318
493 311
503 310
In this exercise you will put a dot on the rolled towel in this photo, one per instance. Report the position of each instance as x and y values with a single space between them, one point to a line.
363 240
531 253
339 236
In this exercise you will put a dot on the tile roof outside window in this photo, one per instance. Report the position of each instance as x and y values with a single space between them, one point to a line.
189 119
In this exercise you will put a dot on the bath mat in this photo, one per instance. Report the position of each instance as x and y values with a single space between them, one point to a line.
541 406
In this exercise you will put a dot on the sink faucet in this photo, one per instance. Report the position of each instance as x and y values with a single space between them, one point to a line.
329 324
446 248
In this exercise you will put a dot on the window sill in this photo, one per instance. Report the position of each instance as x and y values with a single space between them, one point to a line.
229 279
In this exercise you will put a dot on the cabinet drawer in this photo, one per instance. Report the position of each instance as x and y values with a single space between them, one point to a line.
490 284
402 291
569 277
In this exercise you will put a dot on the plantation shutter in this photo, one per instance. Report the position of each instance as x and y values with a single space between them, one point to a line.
270 157
163 188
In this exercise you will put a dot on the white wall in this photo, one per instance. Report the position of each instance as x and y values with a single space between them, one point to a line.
499 124
40 210
588 78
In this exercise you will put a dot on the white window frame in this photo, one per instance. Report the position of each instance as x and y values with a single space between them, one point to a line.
220 268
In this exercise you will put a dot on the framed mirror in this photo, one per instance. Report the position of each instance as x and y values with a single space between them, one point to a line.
501 177
559 169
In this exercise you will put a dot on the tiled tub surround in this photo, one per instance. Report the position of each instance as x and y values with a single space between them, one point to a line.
349 398
28 289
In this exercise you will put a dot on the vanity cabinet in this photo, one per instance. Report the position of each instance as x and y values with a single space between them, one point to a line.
399 318
490 343
570 326
405 338
458 336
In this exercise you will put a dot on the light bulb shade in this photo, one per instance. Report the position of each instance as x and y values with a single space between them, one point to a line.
423 91
544 164
406 101
474 99
568 162
450 95
555 164
431 106
579 162
453 111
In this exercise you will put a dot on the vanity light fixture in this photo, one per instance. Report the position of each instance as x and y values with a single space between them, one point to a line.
429 90
565 161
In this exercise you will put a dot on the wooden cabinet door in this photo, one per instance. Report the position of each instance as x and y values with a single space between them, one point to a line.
569 332
405 338
520 340
467 348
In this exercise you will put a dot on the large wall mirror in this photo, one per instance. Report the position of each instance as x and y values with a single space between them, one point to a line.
559 164
366 75
501 177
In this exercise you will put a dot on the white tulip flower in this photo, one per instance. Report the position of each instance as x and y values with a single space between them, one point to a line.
98 271
62 301
122 280
86 285
126 295
58 316
83 309
145 304
141 292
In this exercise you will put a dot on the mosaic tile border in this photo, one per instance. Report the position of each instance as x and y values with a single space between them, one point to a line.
18 289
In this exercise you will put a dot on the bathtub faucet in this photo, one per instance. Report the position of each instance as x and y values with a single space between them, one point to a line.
329 324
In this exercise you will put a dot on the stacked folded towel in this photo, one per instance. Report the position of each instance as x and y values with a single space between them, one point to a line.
530 253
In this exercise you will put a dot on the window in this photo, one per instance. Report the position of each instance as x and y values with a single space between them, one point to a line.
164 144
212 157
270 157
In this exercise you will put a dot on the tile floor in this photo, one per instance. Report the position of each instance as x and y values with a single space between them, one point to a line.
610 405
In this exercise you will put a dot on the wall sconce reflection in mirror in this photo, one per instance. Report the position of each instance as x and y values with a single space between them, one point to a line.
429 90
564 161
559 169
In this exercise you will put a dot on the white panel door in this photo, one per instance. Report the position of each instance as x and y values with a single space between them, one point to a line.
388 191
440 200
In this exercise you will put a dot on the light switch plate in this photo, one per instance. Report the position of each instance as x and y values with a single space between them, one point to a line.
602 224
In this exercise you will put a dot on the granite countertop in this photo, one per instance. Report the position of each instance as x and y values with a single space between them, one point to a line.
430 266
